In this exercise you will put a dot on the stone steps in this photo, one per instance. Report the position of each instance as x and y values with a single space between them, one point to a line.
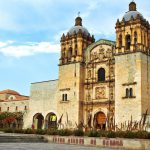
22 139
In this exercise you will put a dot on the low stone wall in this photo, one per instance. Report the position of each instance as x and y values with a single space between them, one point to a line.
129 144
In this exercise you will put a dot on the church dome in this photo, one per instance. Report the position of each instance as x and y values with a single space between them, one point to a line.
78 27
76 30
132 13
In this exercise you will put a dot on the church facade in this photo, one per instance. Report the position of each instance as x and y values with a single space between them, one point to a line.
101 84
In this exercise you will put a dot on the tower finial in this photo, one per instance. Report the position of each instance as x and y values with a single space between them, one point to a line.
132 6
78 20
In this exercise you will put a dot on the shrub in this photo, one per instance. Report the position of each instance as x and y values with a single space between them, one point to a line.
93 133
78 132
65 132
8 130
30 131
19 131
40 131
129 134
111 134
52 132
102 133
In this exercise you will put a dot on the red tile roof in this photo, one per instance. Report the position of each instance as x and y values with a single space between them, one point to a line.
17 95
8 91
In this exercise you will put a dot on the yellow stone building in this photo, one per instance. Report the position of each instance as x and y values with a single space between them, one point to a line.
101 84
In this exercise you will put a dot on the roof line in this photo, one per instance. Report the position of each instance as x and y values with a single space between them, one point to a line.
44 81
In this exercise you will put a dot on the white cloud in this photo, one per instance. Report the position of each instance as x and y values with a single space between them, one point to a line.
29 49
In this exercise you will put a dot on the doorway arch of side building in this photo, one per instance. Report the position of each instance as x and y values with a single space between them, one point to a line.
51 120
99 120
38 121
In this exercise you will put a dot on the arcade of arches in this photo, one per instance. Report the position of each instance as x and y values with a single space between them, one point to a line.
49 122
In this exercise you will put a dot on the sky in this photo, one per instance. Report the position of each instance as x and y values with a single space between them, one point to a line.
30 32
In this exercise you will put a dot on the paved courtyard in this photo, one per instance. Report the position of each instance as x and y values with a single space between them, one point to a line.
45 146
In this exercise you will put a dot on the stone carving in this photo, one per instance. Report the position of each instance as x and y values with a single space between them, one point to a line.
89 74
88 96
108 53
100 92
111 70
101 53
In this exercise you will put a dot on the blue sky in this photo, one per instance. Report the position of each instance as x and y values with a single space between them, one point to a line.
30 32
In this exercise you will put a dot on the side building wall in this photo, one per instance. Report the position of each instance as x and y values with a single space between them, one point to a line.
43 100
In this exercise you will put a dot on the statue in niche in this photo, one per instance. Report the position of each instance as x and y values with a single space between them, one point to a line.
108 53
89 74
100 92
88 96
111 70
101 53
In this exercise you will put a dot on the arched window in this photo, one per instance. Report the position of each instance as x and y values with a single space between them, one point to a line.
120 41
101 74
131 92
128 42
7 108
135 38
127 92
63 97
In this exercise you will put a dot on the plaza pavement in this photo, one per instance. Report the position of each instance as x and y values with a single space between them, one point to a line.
46 146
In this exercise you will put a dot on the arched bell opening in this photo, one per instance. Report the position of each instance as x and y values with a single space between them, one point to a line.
128 42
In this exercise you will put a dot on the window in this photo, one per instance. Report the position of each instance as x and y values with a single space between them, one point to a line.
64 97
16 108
7 108
101 74
128 42
129 92
25 107
0 109
120 41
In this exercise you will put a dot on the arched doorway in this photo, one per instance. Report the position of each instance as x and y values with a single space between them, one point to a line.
100 121
51 120
38 121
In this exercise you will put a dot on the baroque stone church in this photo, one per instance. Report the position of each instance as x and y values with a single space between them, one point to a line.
100 82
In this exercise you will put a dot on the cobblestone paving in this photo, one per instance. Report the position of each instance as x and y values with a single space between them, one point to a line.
46 146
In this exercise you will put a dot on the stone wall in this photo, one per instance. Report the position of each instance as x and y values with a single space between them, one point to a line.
117 143
128 75
43 99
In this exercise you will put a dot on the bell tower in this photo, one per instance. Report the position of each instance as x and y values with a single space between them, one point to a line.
132 32
132 67
71 73
74 43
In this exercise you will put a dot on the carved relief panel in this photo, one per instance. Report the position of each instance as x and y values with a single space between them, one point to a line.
100 92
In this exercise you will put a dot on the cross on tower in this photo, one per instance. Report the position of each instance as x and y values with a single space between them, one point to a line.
79 14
